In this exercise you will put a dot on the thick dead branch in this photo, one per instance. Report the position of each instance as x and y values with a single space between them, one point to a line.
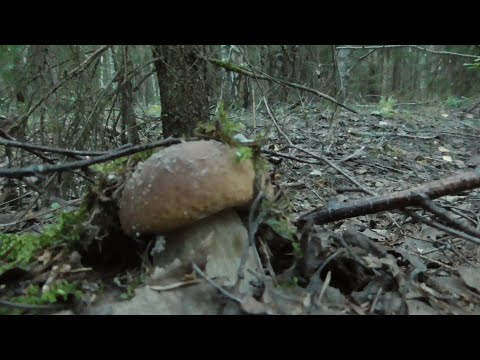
397 200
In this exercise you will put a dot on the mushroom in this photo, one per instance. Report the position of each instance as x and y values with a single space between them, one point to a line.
187 193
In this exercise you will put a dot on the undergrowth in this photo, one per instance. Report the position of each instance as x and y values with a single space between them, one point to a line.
19 249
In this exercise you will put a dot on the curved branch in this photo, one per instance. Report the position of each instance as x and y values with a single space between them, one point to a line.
240 70
437 52
47 169
28 147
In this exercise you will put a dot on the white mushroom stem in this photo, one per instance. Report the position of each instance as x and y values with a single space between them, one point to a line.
215 243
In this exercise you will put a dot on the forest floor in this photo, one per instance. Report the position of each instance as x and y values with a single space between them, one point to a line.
412 147
408 268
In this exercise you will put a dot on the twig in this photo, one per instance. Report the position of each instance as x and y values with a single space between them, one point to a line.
356 153
374 303
328 278
336 167
252 229
438 52
290 157
46 169
275 121
266 251
215 285
444 228
312 286
441 213
474 107
9 138
29 306
72 153
69 76
243 71
459 134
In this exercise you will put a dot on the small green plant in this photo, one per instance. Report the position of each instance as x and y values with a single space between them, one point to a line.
154 110
18 250
244 153
128 283
453 102
475 65
386 107
282 227
227 131
60 291
119 165
230 128
297 249
290 283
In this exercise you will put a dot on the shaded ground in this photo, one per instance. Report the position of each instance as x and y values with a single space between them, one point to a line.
381 264
430 272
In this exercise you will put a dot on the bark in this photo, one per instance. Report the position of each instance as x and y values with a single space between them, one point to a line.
184 87
129 124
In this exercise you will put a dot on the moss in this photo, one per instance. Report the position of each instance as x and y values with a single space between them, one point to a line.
224 130
19 250
229 66
244 153
282 227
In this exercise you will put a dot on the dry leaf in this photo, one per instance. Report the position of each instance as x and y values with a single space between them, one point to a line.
174 285
470 276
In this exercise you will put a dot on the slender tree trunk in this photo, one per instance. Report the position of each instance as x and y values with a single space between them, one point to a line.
396 71
184 90
129 124
386 73
343 62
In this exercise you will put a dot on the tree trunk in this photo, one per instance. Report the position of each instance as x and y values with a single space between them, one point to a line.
129 124
343 64
184 90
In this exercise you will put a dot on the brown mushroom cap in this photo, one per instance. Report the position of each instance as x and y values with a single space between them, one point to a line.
183 183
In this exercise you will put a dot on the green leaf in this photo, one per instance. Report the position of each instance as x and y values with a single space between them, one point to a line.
55 206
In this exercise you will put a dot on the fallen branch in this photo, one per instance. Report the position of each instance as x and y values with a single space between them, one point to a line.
67 152
437 52
9 138
302 221
80 164
396 200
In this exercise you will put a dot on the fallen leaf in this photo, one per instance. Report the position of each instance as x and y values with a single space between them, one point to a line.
316 172
254 307
373 234
174 285
470 276
417 307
